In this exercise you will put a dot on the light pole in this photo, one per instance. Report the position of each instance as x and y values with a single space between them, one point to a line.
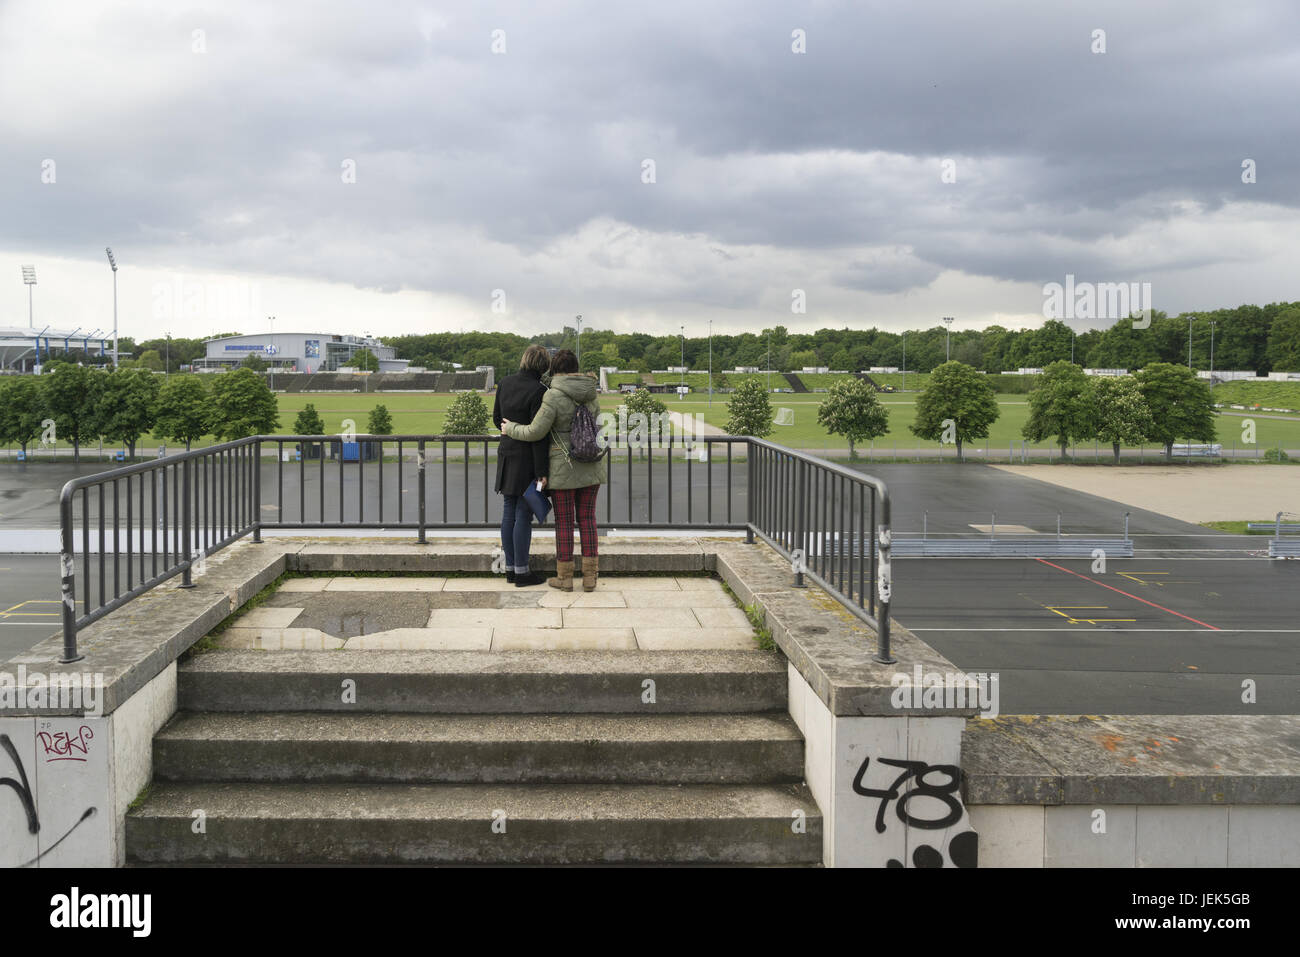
29 277
769 361
1212 325
947 339
905 360
681 369
113 263
579 337
1190 320
710 363
272 350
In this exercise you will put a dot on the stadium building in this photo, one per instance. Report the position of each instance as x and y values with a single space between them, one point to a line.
296 352
24 350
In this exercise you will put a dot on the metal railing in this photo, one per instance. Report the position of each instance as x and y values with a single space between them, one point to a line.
136 527
815 513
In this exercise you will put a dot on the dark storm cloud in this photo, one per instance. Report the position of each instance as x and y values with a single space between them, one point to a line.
477 170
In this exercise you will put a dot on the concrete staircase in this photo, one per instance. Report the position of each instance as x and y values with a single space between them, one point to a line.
478 757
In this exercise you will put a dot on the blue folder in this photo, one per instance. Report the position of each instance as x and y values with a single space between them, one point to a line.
539 503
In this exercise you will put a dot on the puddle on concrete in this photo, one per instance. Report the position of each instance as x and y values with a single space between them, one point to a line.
352 614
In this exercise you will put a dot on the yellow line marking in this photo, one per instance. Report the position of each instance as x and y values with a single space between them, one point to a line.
1091 621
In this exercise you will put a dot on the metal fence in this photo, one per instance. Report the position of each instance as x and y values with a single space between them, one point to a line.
133 528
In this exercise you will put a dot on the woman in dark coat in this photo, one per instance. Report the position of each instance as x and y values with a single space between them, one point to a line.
518 398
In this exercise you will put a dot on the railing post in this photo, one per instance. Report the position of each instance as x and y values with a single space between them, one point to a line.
187 533
257 492
68 581
884 582
419 477
751 460
800 525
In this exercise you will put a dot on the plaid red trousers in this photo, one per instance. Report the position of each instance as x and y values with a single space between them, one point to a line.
569 501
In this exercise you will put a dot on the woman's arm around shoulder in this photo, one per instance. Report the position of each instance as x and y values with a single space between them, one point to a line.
540 425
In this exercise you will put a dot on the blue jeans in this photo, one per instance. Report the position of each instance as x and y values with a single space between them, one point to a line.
516 531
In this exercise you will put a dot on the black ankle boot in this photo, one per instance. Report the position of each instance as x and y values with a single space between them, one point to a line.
510 574
532 578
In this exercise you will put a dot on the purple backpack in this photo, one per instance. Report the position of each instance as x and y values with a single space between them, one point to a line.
584 442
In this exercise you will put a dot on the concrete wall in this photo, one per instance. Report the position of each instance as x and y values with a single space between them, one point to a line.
1130 835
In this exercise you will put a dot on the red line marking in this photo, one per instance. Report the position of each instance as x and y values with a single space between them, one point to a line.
1128 595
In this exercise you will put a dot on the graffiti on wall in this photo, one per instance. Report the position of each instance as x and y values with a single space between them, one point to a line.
925 797
59 746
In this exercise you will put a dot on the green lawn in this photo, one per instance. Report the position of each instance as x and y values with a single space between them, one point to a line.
423 413
1273 395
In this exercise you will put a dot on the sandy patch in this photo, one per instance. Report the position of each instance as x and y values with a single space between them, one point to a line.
1225 494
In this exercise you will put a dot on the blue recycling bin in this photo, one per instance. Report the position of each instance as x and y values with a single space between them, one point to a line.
351 451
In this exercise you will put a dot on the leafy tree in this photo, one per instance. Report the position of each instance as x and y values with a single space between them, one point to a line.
365 360
128 405
379 422
1284 341
151 360
184 412
750 410
1061 406
1122 413
1181 405
308 421
72 398
242 405
22 409
255 362
467 415
853 411
643 402
958 403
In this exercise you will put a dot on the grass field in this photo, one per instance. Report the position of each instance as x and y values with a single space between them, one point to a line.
1273 395
423 413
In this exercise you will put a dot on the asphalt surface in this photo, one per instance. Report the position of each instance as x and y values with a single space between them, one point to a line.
1184 627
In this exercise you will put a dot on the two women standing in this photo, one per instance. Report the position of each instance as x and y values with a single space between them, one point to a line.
573 484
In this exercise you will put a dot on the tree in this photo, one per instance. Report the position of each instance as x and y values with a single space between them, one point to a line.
379 422
853 411
653 414
467 415
184 412
1284 341
1061 406
254 361
957 404
365 360
128 405
1122 413
242 405
308 421
151 360
22 409
750 410
72 396
1181 405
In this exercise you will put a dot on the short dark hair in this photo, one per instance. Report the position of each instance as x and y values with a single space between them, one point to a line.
564 362
536 359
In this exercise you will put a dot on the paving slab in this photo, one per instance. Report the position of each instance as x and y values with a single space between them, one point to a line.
563 639
386 584
554 598
423 639
496 618
277 639
684 639
671 615
721 617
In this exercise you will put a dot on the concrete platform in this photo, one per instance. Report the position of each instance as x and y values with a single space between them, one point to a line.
488 613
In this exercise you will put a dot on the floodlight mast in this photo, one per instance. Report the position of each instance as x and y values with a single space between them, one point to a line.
113 263
29 277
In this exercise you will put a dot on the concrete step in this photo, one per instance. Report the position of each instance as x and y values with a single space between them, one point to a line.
486 749
482 682
409 824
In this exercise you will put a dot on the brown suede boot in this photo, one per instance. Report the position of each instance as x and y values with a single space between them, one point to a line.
589 568
563 579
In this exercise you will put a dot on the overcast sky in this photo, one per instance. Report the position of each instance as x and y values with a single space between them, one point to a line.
216 161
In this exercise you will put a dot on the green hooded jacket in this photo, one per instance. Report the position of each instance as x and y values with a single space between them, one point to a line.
555 416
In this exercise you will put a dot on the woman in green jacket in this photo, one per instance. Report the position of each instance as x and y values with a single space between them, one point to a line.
573 485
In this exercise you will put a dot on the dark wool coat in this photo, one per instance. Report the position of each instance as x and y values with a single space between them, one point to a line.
519 396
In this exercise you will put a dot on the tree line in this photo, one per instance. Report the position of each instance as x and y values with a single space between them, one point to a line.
79 404
1162 403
